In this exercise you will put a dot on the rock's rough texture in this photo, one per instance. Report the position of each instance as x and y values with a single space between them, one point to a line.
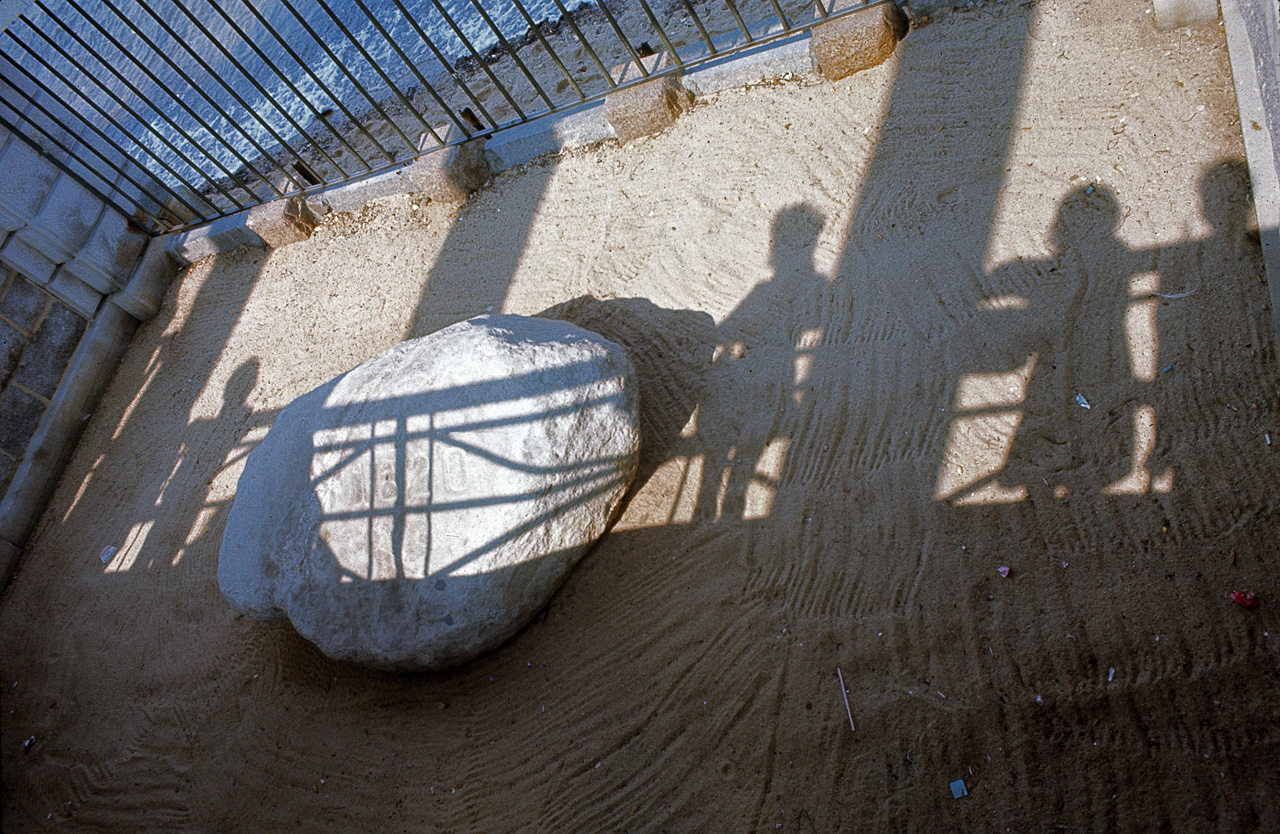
421 508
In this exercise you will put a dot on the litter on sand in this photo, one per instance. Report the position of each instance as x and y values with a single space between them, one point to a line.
844 694
1082 402
1003 570
106 553
958 789
1244 599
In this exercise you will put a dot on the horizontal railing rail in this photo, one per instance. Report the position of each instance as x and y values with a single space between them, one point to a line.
179 112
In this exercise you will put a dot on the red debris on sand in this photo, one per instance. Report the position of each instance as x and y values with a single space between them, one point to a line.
1003 570
1244 599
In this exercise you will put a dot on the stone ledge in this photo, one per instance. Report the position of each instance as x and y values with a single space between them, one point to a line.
648 107
857 41
144 292
450 174
281 222
1253 46
552 133
223 235
86 378
790 56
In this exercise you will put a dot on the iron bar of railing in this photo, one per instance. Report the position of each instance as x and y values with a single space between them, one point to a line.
305 67
196 87
178 129
100 193
143 122
124 155
514 55
89 100
262 90
737 18
782 17
239 100
483 64
671 50
536 29
395 90
444 62
13 128
337 100
431 90
604 71
702 30
622 36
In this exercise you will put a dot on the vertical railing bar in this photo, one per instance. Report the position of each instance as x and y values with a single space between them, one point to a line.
385 78
177 128
305 67
355 82
195 86
822 10
697 21
444 62
502 40
249 110
782 18
114 123
675 56
617 30
604 71
466 131
217 44
733 10
143 122
126 154
484 65
537 33
12 128
288 83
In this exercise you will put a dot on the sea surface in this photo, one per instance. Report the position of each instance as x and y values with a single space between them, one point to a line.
191 89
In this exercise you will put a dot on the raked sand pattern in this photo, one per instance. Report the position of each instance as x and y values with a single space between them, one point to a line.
866 317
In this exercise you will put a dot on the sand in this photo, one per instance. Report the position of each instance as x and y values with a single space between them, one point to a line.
867 315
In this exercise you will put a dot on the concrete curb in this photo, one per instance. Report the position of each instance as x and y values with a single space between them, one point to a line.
1253 44
87 377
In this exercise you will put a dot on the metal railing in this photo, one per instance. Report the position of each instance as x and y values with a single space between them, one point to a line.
178 112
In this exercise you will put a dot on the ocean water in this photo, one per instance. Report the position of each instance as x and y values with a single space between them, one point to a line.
192 89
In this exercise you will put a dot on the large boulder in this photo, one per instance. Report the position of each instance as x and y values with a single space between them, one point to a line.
419 509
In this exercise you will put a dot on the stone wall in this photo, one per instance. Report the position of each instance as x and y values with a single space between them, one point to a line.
76 277
38 335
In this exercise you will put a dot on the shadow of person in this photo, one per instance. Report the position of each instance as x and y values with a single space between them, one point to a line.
765 350
1056 345
184 495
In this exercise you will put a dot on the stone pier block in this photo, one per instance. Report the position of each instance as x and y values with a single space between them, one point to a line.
281 222
110 255
26 182
450 174
858 41
143 295
81 297
647 108
27 260
64 222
